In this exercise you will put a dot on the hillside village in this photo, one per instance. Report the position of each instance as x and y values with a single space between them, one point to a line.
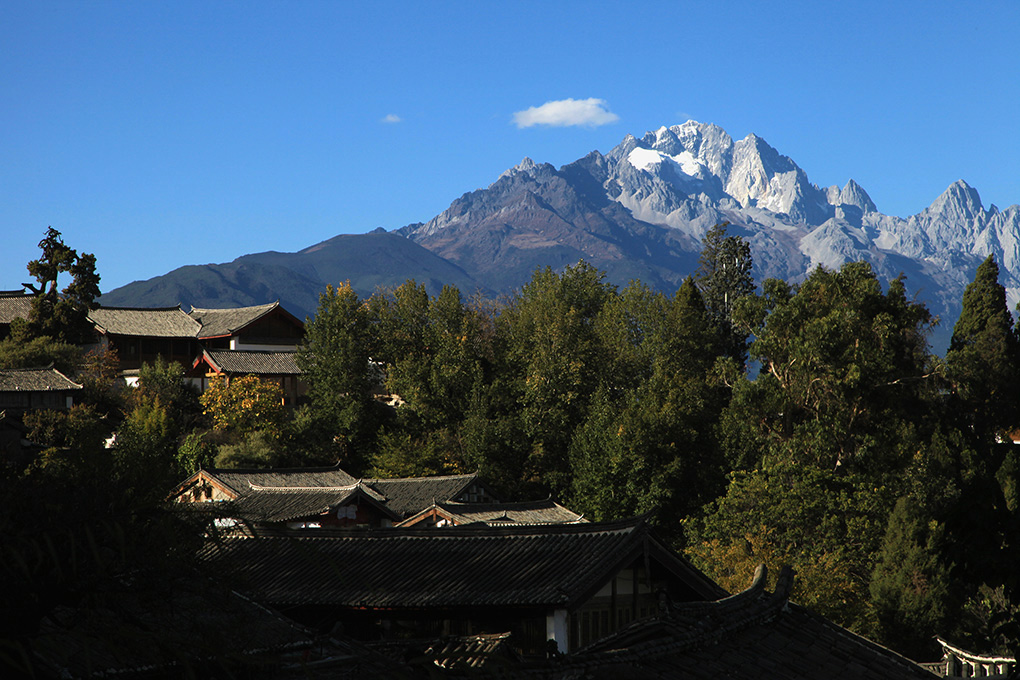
371 492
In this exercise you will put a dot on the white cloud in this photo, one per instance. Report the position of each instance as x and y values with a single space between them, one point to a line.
391 118
565 112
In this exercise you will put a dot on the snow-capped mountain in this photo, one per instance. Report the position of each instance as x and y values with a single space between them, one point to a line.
674 183
636 212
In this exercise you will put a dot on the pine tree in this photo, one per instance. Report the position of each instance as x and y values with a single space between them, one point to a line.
724 276
984 356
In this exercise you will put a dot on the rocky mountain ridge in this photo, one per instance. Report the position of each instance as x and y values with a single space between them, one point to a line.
637 211
685 178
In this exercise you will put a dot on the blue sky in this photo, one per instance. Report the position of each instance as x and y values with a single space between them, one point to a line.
157 135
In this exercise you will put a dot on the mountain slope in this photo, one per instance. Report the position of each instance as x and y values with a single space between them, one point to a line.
368 261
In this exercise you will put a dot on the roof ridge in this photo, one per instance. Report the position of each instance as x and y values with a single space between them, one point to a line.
373 480
234 309
138 309
264 487
463 531
324 468
250 351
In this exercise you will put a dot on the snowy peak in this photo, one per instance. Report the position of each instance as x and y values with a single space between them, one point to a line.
664 141
762 177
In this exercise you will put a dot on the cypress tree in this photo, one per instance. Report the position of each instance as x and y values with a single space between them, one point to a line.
983 356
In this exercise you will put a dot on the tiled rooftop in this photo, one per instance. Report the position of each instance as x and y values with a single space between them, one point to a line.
14 304
160 322
253 362
242 480
551 565
266 504
219 322
545 511
35 380
408 495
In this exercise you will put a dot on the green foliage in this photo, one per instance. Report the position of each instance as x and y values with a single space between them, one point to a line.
19 351
910 587
556 359
74 441
724 277
145 450
983 362
101 383
335 359
495 443
825 434
258 449
195 453
400 455
63 314
164 381
652 449
433 349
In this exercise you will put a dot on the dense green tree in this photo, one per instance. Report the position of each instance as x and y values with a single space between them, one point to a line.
910 585
102 384
20 351
335 359
630 329
825 433
983 361
557 359
495 441
164 380
724 276
433 349
145 450
652 450
62 314
399 454
255 449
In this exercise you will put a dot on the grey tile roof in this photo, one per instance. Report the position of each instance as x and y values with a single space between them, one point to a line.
159 322
267 504
14 304
407 496
538 566
242 480
751 635
253 362
545 511
35 380
219 322
400 497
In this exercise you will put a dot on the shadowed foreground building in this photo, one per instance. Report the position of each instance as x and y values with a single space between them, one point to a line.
483 602
572 583
754 634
